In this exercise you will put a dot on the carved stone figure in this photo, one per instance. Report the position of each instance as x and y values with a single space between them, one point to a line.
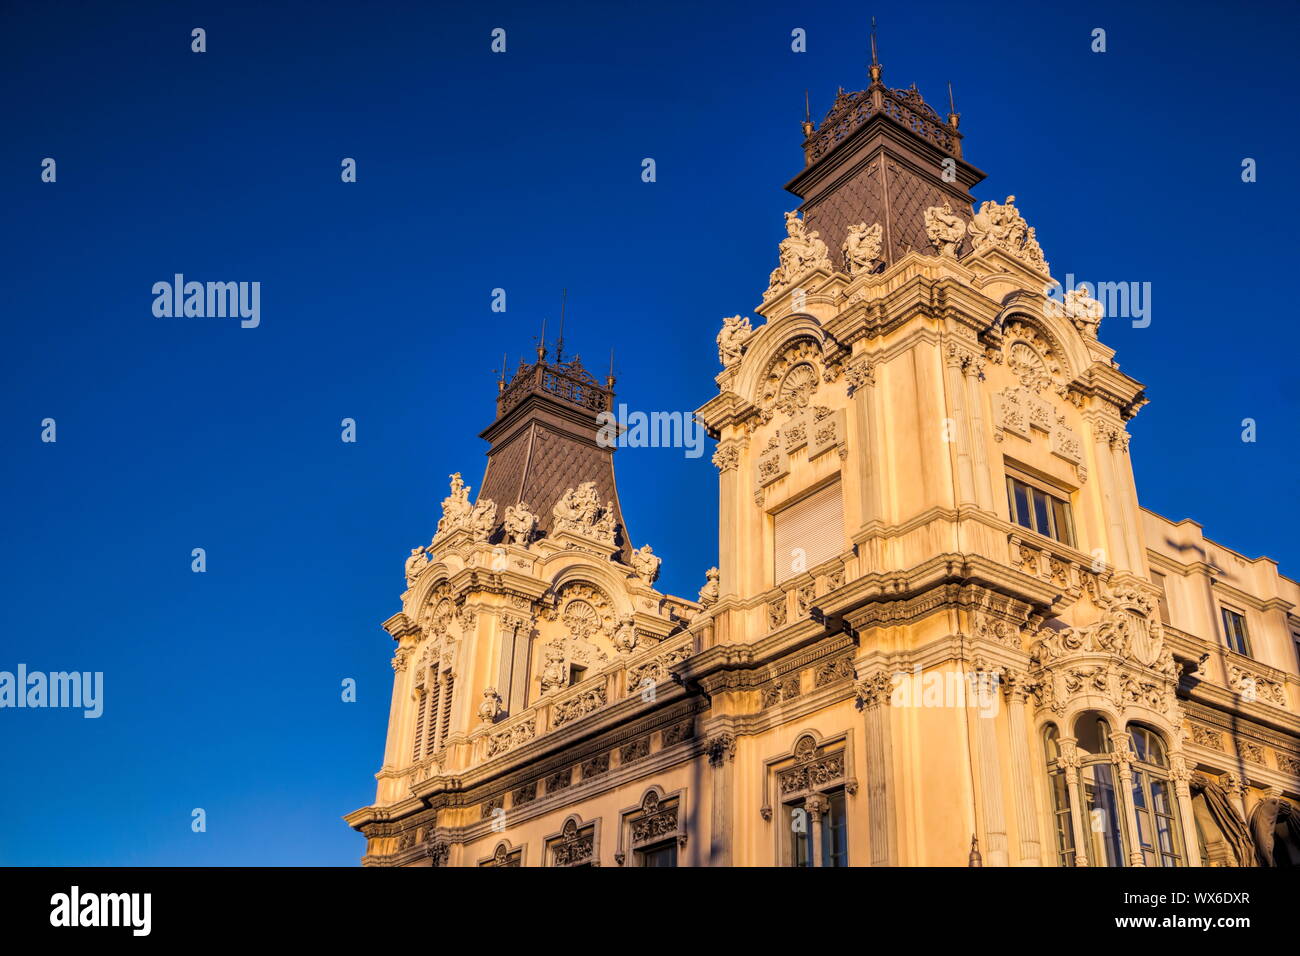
1084 311
605 526
945 228
731 340
645 563
415 564
800 251
519 524
1000 225
554 675
709 593
455 507
862 248
483 519
625 635
577 509
491 705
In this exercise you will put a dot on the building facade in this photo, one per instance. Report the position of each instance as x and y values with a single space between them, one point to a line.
942 629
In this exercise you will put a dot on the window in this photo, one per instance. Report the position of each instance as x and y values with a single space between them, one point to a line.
819 817
1032 506
1159 581
808 532
1100 796
1234 631
576 675
1060 797
661 854
1158 835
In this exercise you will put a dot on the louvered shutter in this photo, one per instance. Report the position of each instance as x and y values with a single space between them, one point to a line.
808 532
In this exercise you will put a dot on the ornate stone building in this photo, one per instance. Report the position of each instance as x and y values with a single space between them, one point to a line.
942 630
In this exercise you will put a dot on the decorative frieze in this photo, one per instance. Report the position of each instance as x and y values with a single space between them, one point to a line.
511 737
1206 737
1253 686
678 732
828 672
634 750
657 669
776 612
559 781
781 690
595 766
578 706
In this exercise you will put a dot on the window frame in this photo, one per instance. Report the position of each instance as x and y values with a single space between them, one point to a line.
1055 496
1224 612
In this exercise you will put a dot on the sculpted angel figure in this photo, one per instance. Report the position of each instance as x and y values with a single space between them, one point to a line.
646 563
519 524
415 563
456 506
998 222
945 229
862 248
732 338
605 526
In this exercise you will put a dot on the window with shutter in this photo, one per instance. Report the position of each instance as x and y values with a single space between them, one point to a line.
431 716
446 710
808 532
419 725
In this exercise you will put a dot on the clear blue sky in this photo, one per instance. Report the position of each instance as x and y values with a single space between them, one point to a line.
519 171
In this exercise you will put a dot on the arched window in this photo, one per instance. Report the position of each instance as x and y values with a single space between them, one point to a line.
1100 798
1154 801
1060 788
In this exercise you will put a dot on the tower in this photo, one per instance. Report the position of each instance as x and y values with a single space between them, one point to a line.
942 630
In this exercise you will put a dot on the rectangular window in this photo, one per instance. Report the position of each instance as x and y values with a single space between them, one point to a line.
1032 506
1234 631
808 532
834 832
661 854
1159 581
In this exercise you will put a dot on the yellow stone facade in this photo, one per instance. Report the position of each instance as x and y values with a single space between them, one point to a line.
942 630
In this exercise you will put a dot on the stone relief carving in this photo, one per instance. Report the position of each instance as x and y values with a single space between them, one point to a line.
646 563
572 708
799 252
554 674
945 228
731 340
862 249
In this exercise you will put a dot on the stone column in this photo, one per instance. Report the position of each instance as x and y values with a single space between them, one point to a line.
955 360
862 380
873 698
1069 761
722 758
727 460
1017 692
816 805
1122 761
1183 794
990 776
979 442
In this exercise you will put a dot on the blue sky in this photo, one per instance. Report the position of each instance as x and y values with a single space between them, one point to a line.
520 171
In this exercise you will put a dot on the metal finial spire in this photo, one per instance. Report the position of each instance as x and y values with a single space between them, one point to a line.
876 68
953 116
609 380
559 343
501 380
807 116
541 343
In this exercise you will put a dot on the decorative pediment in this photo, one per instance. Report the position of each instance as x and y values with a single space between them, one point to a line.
1028 354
